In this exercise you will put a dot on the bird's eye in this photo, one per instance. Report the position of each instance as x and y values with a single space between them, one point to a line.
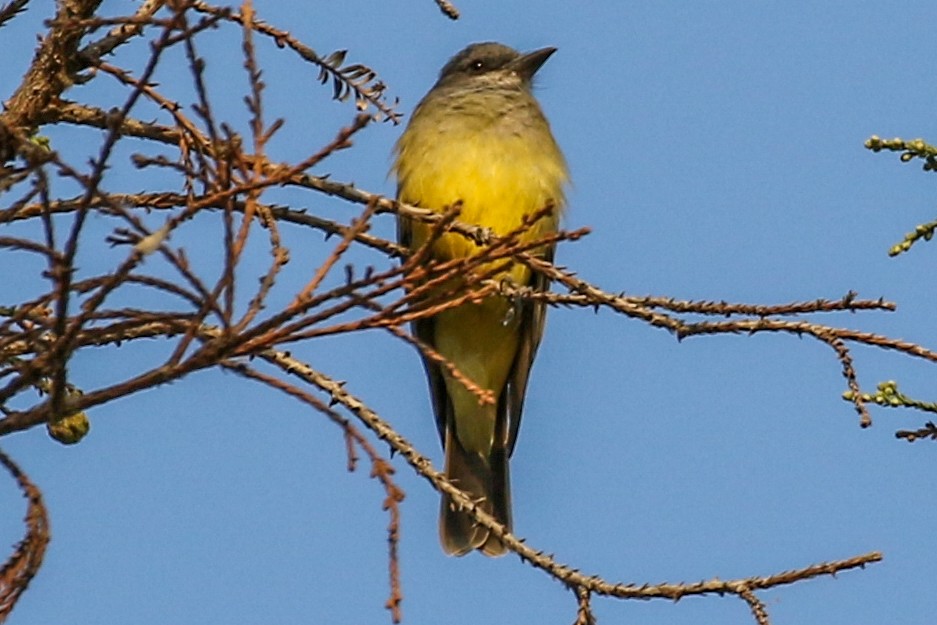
477 66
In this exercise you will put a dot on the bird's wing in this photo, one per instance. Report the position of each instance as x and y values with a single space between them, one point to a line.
424 330
511 402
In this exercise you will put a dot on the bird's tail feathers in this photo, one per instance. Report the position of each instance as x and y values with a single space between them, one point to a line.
486 480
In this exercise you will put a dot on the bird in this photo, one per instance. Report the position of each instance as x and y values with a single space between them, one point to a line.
479 138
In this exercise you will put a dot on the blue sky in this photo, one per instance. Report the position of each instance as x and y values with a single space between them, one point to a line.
716 152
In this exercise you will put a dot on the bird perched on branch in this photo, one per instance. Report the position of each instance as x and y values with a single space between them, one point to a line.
480 139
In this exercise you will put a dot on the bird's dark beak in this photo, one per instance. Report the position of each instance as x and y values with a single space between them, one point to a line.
527 65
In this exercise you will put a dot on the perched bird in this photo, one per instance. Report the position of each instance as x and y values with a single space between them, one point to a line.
479 137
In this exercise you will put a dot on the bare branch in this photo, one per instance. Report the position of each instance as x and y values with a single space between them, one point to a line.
24 563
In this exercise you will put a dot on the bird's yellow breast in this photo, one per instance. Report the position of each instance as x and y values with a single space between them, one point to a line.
501 166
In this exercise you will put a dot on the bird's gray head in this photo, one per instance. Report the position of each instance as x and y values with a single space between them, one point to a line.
493 63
